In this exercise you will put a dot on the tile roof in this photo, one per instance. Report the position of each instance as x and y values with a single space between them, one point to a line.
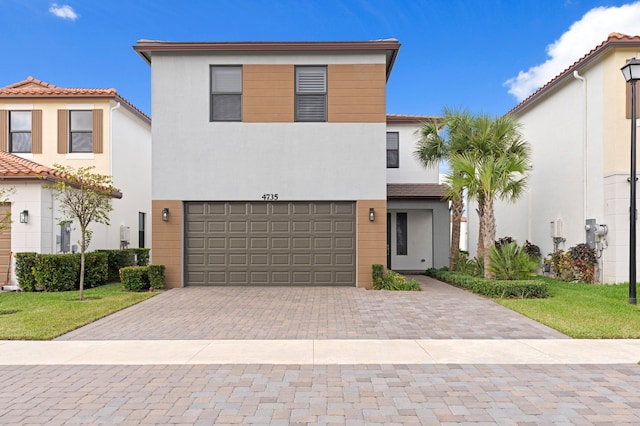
409 118
396 191
13 167
34 88
613 40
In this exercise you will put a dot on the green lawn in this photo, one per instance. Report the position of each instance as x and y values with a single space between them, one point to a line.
43 316
587 311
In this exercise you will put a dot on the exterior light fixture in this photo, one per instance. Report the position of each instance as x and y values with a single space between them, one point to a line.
165 214
372 214
631 72
24 216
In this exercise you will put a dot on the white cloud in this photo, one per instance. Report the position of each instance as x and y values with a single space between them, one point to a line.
583 35
64 11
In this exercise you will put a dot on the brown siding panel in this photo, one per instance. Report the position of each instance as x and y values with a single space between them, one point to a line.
372 239
63 131
357 93
97 131
268 93
166 245
36 131
4 129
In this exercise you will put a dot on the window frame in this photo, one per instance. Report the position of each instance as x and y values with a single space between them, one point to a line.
298 95
397 151
72 131
212 119
12 132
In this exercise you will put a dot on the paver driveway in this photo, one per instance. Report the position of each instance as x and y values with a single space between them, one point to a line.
507 393
440 311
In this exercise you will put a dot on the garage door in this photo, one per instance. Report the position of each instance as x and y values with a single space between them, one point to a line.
270 243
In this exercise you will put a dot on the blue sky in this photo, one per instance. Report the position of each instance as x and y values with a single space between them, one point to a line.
456 53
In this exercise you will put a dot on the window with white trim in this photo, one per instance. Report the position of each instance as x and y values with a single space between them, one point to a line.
80 131
311 93
226 93
20 131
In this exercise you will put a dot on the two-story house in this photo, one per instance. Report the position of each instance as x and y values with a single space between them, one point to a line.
269 161
45 125
578 126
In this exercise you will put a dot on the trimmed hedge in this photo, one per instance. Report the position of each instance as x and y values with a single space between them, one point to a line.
56 272
135 278
60 272
25 262
127 257
523 289
156 276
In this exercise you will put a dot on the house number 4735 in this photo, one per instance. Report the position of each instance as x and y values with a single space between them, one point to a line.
270 197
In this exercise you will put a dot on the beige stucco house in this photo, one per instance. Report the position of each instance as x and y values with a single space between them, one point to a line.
77 127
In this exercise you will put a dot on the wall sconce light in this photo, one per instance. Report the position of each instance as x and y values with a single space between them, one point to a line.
372 214
24 216
165 214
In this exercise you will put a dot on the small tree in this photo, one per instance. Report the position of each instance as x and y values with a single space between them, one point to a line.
84 197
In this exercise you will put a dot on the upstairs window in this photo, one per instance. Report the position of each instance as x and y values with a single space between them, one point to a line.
80 131
393 150
311 93
20 123
226 93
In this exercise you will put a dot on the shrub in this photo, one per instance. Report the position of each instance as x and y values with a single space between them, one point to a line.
578 264
134 278
532 250
56 272
117 259
493 288
96 271
141 256
377 275
25 262
393 281
510 262
503 242
156 276
474 266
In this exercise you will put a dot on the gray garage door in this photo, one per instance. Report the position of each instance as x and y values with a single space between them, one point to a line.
270 243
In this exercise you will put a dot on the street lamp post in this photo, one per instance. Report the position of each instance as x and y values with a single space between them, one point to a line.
631 72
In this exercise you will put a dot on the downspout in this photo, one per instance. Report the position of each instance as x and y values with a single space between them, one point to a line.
584 146
111 150
111 137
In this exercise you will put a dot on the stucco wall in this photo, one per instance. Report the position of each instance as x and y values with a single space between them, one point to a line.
410 170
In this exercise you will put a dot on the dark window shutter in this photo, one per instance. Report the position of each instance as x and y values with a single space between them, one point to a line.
97 131
36 131
4 129
311 94
63 131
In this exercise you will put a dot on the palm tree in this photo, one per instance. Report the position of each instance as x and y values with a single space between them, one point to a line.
433 147
495 168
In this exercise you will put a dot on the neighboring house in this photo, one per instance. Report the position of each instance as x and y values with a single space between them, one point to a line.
78 127
269 162
578 125
418 232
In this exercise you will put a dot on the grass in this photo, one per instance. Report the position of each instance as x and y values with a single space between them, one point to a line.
584 311
44 316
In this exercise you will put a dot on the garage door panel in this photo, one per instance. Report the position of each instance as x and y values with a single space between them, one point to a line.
271 243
